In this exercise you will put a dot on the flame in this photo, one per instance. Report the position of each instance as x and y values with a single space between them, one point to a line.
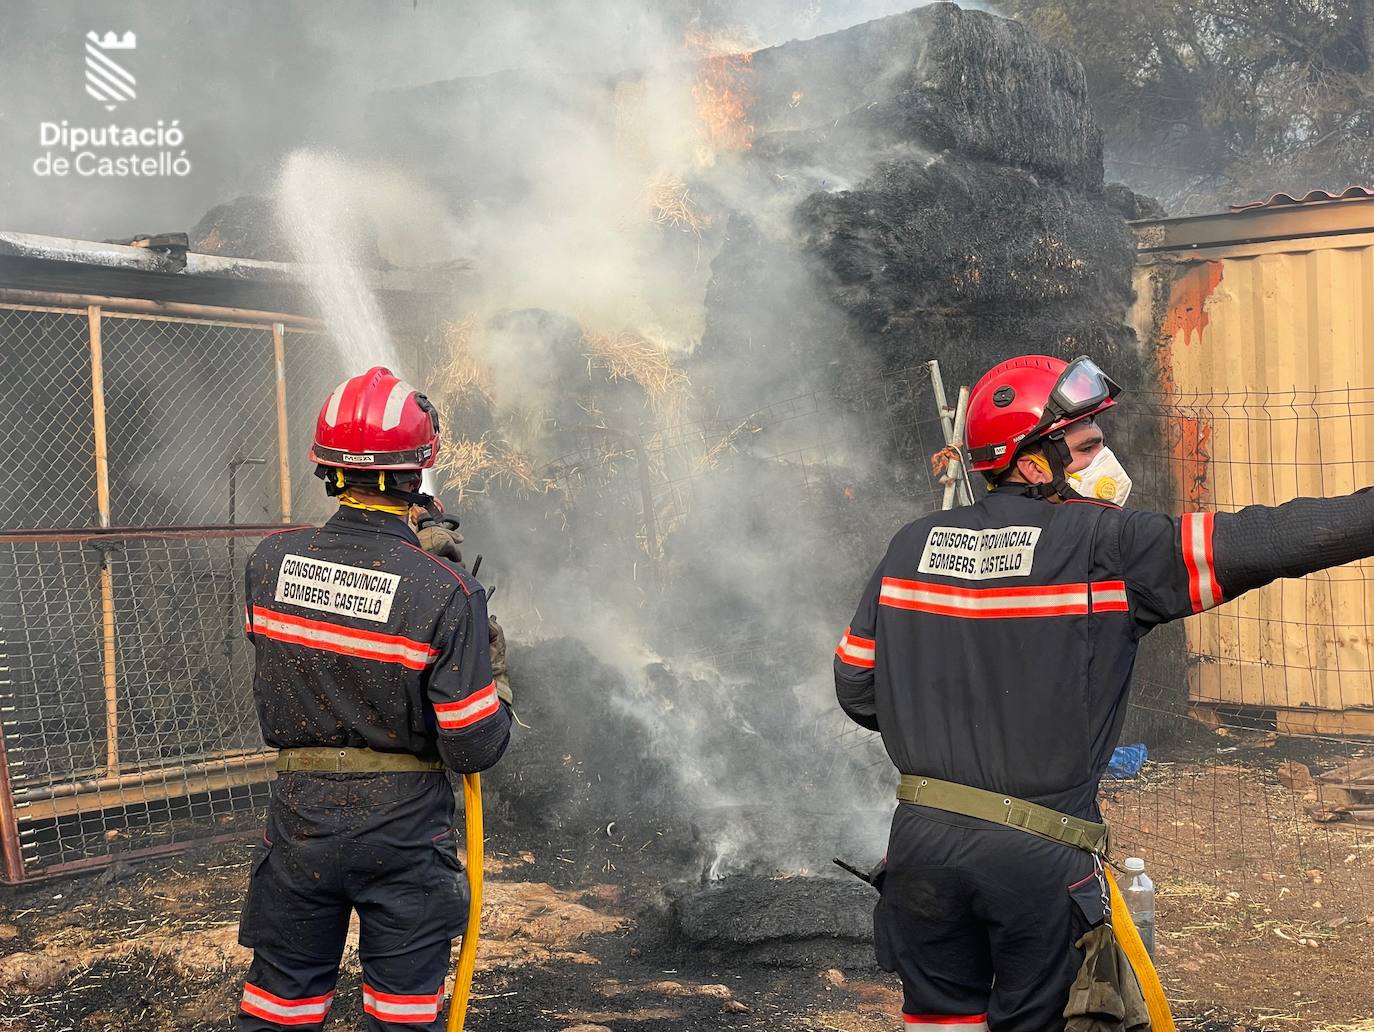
723 93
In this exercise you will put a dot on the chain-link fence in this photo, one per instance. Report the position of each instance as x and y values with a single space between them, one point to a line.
190 409
49 471
147 454
313 368
134 732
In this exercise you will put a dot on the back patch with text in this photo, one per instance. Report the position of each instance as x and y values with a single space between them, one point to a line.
335 588
980 554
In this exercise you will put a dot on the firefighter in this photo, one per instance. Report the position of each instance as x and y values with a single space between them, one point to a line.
992 649
373 677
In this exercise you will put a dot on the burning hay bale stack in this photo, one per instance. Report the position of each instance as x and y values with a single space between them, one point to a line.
955 208
940 195
586 381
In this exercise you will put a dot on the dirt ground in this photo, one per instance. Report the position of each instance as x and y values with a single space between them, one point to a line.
1265 916
575 936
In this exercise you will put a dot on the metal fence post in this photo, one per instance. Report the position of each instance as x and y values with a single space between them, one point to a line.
102 486
283 438
9 823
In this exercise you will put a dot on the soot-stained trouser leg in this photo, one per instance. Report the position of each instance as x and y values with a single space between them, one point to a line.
295 920
924 929
1036 899
408 888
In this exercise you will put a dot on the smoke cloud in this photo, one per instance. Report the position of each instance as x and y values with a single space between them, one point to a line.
655 467
587 368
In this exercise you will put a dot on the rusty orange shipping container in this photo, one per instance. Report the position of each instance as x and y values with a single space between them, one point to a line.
1262 323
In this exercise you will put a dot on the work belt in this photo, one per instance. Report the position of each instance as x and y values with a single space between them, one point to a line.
340 760
1003 809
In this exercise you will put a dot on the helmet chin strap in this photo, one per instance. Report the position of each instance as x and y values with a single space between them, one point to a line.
1056 463
337 485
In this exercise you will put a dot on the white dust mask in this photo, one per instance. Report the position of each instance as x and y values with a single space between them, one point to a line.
1103 479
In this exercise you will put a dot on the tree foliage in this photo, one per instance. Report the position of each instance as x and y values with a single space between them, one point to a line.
1206 102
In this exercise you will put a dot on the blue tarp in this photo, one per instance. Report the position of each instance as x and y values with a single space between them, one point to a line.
1126 761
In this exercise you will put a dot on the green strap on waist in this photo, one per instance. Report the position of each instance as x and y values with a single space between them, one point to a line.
340 760
1002 809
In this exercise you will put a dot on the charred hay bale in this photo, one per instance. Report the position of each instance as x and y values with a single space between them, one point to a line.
791 922
952 259
761 302
247 227
1131 205
940 77
960 239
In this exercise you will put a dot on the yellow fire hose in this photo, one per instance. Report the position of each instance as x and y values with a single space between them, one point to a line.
467 954
1128 938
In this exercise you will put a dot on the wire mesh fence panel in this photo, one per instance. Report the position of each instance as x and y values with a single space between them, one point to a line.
313 369
135 731
185 667
192 423
1296 653
127 711
1274 708
53 682
48 465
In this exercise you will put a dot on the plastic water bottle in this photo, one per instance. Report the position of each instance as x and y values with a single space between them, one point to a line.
1139 894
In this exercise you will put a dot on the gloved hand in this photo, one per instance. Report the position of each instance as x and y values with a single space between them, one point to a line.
498 661
441 541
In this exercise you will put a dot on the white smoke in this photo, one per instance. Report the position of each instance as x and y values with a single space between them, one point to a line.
601 201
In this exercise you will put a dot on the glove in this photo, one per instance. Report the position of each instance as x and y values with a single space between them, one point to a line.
441 541
498 661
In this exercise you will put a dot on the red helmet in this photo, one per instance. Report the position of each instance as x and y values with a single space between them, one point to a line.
376 421
1026 399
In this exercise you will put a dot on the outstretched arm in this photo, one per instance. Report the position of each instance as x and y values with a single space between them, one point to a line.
1176 566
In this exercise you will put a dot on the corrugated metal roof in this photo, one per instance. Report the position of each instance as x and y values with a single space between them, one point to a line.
1282 217
1281 199
61 265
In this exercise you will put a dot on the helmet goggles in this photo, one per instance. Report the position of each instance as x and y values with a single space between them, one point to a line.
1081 390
